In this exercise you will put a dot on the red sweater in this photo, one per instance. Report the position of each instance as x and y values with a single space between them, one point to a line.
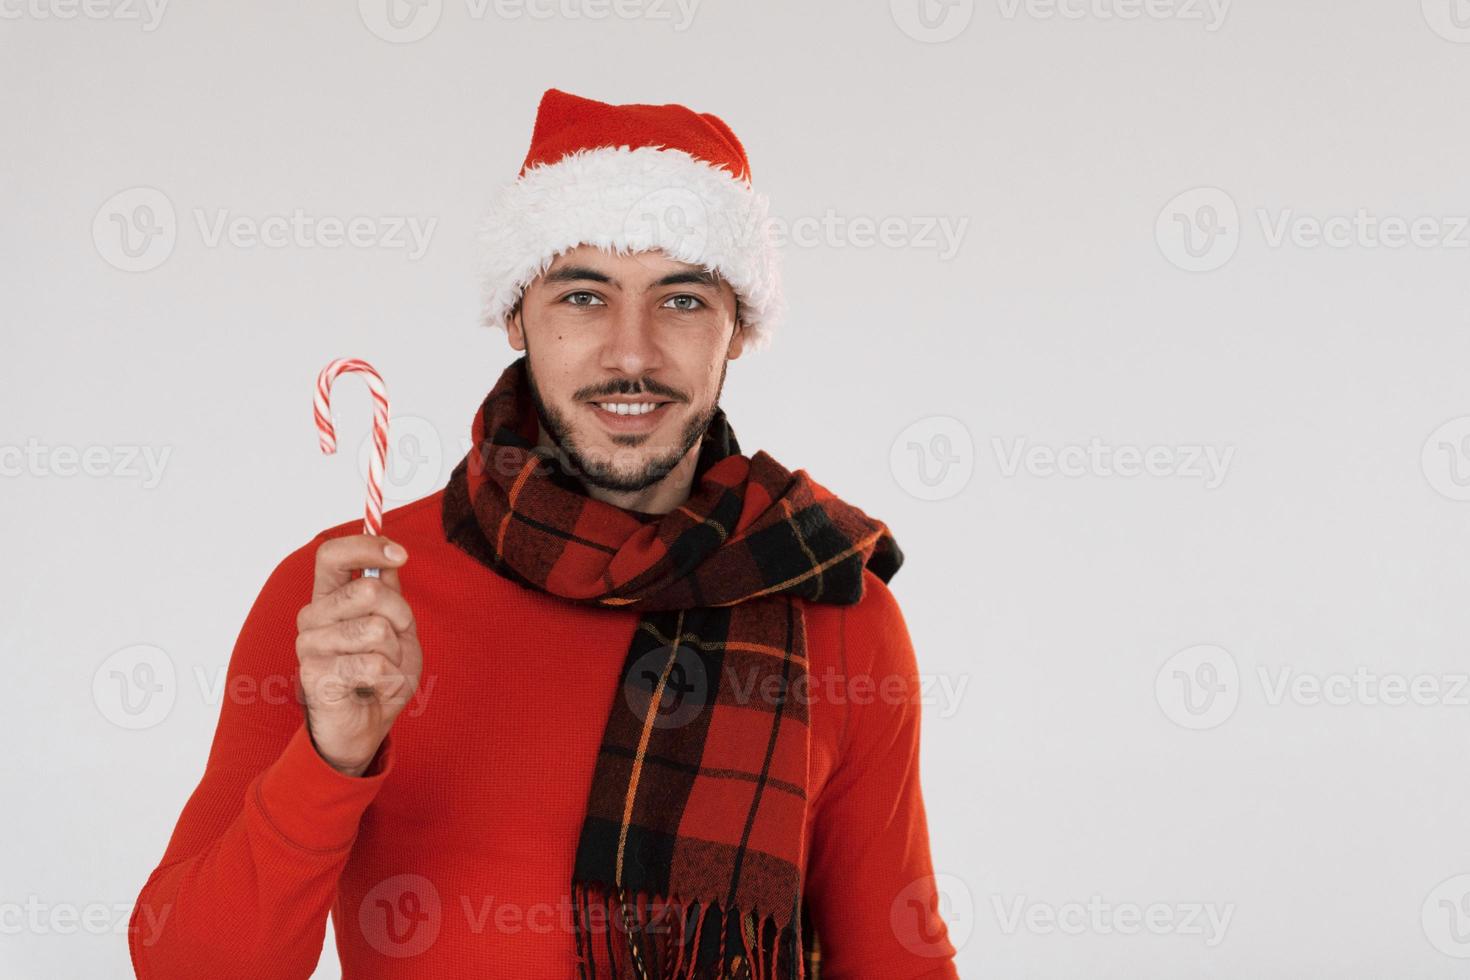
452 855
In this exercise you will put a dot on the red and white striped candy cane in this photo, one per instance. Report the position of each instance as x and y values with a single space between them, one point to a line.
373 523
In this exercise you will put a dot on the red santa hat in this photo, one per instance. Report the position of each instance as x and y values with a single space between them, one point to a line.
629 178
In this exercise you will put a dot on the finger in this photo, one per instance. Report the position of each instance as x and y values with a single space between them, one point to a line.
389 577
361 677
366 634
360 597
337 558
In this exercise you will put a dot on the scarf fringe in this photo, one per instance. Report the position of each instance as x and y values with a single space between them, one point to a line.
651 937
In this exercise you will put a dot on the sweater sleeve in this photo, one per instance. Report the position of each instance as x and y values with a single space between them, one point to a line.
251 870
873 896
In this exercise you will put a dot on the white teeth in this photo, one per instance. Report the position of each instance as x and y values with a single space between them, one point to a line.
623 408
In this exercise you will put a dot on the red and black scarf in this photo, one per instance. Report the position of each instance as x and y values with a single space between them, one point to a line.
691 853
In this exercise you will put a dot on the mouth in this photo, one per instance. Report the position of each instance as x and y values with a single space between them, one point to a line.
630 416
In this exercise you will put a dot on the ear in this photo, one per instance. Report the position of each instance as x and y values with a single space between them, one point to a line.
515 330
737 337
737 341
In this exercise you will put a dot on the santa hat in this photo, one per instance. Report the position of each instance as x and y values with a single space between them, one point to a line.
629 178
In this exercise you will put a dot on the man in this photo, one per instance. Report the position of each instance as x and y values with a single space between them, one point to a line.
624 701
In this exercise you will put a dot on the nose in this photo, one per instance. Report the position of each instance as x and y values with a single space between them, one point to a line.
631 345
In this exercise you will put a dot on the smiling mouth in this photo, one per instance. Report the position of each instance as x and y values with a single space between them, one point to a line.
630 409
630 417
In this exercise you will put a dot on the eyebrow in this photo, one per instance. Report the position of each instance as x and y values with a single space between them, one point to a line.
580 273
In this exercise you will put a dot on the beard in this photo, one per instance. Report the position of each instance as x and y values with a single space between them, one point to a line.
635 463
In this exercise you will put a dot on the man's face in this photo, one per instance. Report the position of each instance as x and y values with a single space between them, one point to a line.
627 358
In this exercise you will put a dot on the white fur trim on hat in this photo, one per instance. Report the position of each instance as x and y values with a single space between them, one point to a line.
632 200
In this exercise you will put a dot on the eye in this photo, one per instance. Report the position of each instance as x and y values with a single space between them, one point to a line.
573 298
698 303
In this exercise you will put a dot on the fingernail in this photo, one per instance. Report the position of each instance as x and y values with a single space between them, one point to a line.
393 552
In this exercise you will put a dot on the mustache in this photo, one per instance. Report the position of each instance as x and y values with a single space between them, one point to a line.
646 386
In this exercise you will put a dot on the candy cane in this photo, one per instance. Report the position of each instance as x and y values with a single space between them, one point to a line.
373 523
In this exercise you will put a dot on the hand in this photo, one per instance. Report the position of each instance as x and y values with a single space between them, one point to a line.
358 648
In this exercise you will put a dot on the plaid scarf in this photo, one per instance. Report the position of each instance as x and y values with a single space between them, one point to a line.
691 852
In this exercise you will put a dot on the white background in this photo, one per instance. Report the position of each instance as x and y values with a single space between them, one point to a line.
1079 762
